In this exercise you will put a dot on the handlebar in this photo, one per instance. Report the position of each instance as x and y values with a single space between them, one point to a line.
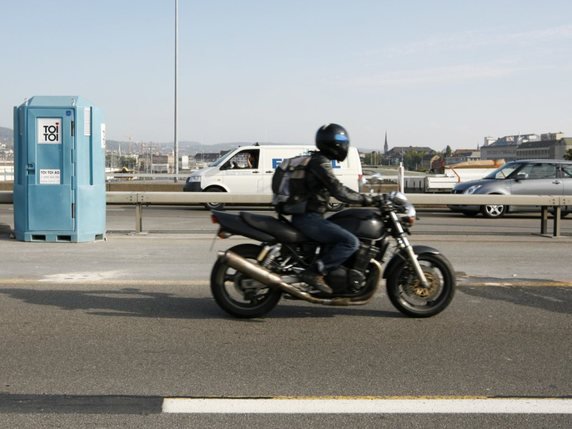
398 202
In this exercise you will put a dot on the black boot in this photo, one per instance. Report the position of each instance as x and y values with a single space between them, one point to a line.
316 280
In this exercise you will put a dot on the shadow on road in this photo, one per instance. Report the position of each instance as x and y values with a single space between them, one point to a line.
132 302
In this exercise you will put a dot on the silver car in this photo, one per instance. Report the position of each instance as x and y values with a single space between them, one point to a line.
526 177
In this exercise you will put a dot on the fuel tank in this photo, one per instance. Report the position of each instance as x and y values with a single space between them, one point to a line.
364 223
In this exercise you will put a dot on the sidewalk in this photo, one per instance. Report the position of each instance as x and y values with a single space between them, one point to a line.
188 258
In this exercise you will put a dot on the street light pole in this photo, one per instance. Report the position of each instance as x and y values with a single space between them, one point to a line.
176 131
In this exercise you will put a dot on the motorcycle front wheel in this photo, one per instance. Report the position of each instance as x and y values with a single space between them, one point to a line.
238 294
408 295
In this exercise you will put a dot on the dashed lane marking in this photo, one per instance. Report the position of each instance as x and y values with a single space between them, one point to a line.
357 405
513 282
87 280
100 282
118 404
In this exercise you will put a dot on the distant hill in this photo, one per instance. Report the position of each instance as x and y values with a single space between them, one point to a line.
125 147
185 147
7 136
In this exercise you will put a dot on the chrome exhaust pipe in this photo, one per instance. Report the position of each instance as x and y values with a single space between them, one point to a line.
270 279
264 276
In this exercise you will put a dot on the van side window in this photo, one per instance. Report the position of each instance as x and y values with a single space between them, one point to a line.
247 159
252 159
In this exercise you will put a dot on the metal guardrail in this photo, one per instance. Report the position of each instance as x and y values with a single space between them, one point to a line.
5 197
164 177
141 199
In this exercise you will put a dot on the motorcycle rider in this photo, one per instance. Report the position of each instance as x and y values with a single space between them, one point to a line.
333 142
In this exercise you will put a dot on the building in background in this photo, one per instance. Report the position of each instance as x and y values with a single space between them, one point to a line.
527 146
505 147
550 146
463 155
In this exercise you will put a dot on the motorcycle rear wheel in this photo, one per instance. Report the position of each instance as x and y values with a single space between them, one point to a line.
408 295
239 295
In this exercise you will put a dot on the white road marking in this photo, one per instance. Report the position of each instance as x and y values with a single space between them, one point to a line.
368 406
86 276
90 280
118 277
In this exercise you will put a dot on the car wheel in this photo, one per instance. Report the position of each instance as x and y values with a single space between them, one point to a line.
494 210
214 206
563 213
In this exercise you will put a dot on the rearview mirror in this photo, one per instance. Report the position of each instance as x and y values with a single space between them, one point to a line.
521 176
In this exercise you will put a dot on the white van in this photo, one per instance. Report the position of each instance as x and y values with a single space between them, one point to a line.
249 170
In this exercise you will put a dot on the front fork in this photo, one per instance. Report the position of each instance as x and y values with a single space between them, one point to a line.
405 245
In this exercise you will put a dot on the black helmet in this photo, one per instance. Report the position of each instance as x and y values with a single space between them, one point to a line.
333 141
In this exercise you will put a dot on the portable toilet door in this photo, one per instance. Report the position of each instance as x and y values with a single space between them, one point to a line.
50 170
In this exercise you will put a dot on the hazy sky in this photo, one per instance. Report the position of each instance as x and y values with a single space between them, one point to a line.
430 73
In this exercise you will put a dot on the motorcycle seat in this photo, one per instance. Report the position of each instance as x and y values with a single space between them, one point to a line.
280 229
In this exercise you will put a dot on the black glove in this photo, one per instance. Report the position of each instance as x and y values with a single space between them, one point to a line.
371 200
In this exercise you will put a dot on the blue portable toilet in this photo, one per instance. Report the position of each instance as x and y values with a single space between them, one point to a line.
59 170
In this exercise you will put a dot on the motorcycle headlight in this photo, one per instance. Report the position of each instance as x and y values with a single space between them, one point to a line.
410 215
407 210
399 198
473 189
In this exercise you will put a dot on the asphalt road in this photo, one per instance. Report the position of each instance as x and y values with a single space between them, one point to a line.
97 334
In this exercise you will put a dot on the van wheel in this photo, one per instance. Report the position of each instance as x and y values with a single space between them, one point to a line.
214 206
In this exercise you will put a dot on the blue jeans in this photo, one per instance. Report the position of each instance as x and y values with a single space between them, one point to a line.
338 243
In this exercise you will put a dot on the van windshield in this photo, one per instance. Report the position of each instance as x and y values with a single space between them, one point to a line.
505 171
219 161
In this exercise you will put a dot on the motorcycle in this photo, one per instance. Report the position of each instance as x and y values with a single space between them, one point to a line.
248 280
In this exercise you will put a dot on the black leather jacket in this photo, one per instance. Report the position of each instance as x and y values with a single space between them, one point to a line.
322 183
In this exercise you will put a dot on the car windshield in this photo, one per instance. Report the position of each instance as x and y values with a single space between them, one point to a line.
505 171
